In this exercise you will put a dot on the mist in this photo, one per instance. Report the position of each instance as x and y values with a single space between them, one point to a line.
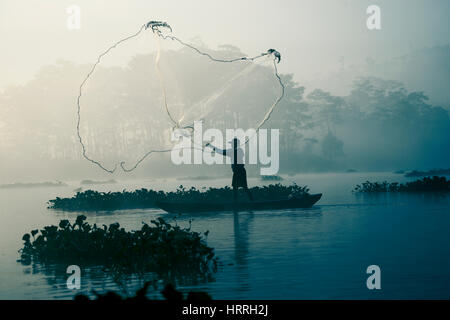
355 99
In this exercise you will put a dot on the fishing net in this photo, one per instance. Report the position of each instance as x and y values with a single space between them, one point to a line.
129 110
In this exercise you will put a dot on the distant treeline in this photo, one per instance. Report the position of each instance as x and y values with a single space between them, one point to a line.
92 182
378 125
32 185
427 184
434 172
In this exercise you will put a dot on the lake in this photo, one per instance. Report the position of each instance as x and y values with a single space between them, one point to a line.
317 253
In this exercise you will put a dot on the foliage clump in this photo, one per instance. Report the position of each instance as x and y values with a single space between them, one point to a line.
427 184
161 248
91 200
416 173
96 201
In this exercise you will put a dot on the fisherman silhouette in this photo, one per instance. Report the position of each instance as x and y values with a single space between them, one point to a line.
239 174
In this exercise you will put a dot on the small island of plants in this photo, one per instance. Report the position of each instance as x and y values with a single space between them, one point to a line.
427 184
434 172
161 248
90 200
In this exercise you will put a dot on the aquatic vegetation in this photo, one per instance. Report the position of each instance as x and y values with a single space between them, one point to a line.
199 178
272 178
161 248
434 184
143 198
90 182
272 191
33 185
90 200
169 293
435 172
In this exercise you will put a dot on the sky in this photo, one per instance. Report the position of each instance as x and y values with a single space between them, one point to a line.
314 37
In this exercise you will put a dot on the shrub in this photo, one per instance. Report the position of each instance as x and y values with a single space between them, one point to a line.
95 201
162 248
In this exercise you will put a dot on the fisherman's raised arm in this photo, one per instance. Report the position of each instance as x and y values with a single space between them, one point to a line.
218 150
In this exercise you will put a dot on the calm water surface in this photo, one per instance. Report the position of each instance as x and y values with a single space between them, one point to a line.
317 253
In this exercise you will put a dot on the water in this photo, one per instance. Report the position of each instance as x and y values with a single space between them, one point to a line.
317 253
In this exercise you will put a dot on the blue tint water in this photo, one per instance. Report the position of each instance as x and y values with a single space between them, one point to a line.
317 253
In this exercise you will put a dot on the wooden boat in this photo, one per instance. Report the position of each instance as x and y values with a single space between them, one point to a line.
306 201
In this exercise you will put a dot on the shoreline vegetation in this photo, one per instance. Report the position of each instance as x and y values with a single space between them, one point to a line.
169 251
434 172
95 182
194 178
271 178
90 200
33 184
427 184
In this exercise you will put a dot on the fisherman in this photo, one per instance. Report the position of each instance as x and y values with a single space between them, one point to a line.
239 174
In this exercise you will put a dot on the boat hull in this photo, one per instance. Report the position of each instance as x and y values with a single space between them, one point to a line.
190 207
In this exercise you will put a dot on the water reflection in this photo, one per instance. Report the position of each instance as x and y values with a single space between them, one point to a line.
388 198
315 253
93 279
241 226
